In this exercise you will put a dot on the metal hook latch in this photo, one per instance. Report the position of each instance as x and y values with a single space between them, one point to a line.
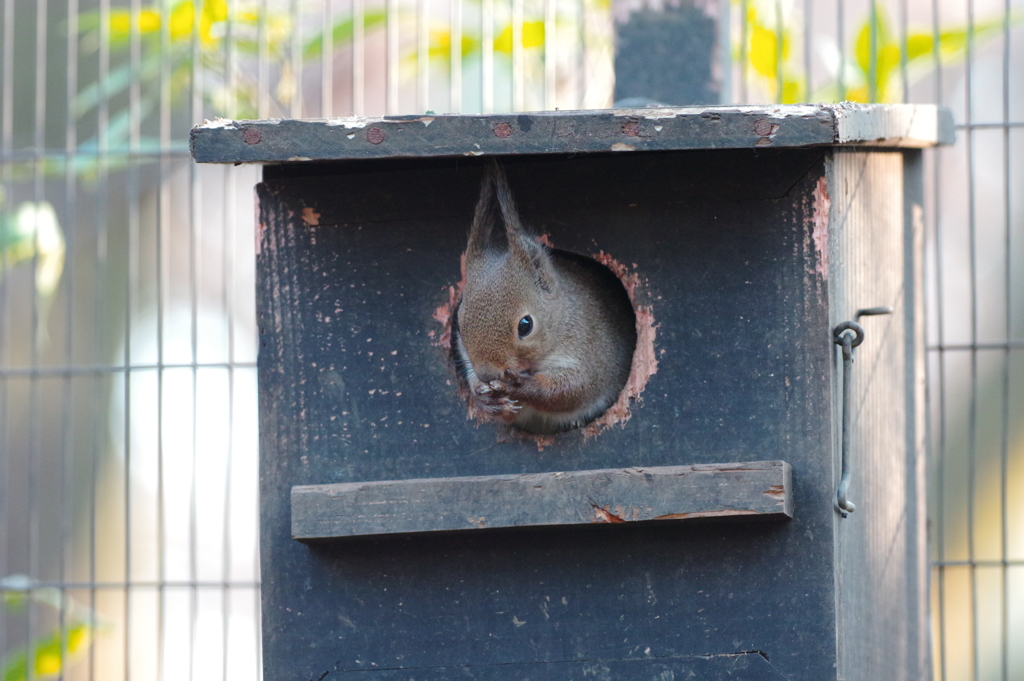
849 335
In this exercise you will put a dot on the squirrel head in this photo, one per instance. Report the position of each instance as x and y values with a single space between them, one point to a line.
511 318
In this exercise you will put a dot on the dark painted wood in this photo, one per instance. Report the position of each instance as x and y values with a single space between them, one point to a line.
760 489
378 191
734 666
354 387
571 132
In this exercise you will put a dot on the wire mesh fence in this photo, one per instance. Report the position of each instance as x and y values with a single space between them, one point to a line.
128 509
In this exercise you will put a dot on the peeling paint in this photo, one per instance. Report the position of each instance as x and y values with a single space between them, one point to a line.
472 153
819 219
788 111
645 363
619 146
310 216
446 312
426 121
347 122
261 227
603 515
218 122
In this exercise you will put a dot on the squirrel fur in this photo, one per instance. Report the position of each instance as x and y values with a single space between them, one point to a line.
544 338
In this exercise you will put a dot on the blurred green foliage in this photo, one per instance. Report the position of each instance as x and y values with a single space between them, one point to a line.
870 72
175 34
48 655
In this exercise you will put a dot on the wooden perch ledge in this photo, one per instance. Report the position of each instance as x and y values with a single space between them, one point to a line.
626 495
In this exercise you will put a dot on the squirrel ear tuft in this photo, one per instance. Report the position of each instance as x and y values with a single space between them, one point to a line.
506 203
522 247
483 220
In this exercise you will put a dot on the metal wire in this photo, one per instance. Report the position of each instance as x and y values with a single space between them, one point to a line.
487 56
132 283
74 370
162 271
841 40
326 61
904 45
744 48
423 55
228 302
808 62
137 584
550 54
779 44
195 222
6 132
1008 345
102 226
518 65
70 201
358 55
972 428
1004 458
392 57
455 56
34 401
939 453
295 63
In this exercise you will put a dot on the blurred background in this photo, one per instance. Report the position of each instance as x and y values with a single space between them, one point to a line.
128 431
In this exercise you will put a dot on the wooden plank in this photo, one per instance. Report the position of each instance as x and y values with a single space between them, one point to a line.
893 125
880 618
572 132
613 496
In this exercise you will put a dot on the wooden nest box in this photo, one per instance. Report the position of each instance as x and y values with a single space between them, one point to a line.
696 533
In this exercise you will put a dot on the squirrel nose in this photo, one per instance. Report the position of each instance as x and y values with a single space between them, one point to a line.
489 372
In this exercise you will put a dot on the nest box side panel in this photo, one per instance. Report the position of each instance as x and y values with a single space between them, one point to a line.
357 264
874 234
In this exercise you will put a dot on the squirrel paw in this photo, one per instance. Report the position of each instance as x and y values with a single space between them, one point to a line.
493 399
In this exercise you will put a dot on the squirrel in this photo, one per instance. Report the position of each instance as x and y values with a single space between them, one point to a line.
543 338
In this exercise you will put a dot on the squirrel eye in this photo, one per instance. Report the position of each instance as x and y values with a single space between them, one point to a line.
525 326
